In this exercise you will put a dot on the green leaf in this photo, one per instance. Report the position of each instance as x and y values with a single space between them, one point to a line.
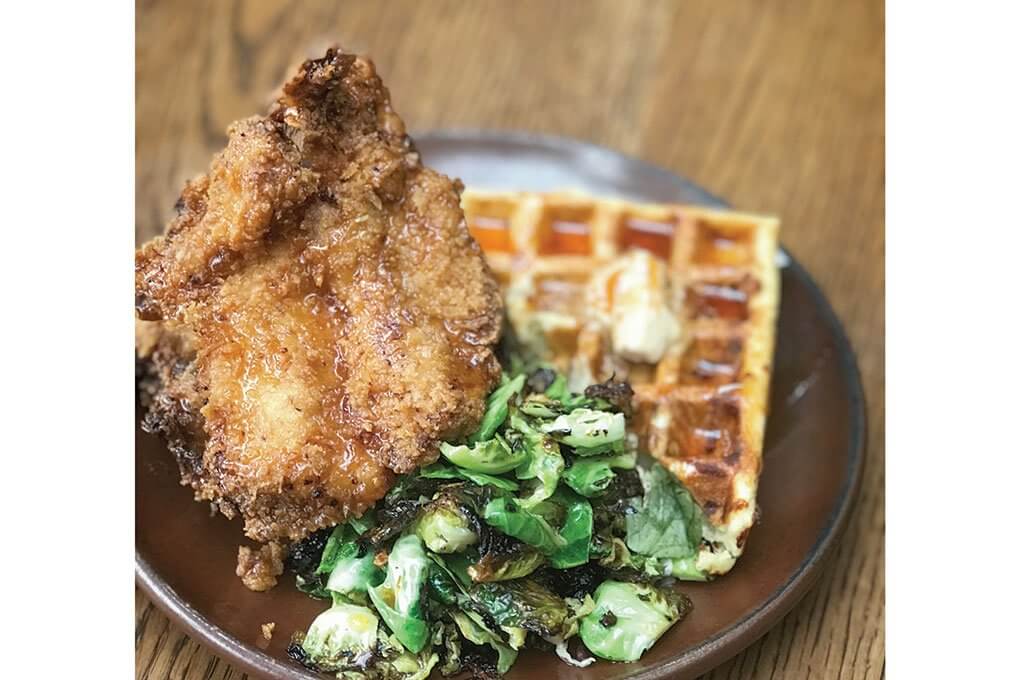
591 477
473 627
354 576
589 432
497 408
544 462
342 538
441 471
340 634
507 515
491 456
398 598
628 618
576 531
668 522
520 603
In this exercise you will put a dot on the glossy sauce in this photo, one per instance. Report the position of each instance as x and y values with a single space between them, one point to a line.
717 301
655 237
492 233
716 246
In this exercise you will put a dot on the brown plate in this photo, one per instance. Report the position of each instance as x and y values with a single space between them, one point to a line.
814 452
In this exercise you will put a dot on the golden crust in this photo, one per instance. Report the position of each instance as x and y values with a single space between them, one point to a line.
701 408
340 319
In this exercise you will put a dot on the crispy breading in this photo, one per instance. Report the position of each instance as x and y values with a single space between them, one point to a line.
327 318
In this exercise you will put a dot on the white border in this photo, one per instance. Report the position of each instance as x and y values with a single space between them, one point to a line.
953 113
68 209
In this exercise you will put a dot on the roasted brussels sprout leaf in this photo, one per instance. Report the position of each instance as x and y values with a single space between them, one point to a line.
576 531
399 598
354 576
441 471
628 618
491 456
592 476
473 628
503 567
507 515
343 635
589 432
616 394
668 523
543 463
446 526
391 521
522 603
497 407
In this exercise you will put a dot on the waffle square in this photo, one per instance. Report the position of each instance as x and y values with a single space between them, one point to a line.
701 402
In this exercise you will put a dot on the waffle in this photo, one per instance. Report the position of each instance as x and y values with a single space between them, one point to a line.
678 300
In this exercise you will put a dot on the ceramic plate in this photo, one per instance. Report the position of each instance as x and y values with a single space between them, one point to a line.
814 452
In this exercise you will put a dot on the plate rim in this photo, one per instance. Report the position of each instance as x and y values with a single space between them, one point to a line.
708 653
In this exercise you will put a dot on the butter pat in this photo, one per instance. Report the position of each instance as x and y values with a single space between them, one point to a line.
633 294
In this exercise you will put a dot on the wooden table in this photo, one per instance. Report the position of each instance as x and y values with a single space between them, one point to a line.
775 106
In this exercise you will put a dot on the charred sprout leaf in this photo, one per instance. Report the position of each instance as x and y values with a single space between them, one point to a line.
399 598
340 636
496 409
446 526
507 515
451 649
589 432
543 463
440 471
491 456
522 603
576 531
574 583
628 618
617 394
391 522
493 567
591 477
304 556
623 493
541 379
667 522
473 628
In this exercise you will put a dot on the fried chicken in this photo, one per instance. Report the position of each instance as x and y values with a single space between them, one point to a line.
324 317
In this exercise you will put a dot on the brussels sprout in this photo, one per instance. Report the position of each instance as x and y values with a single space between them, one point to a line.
576 530
628 618
505 567
392 520
543 463
473 628
440 471
342 635
522 603
496 409
668 523
399 598
354 576
507 515
491 456
446 527
592 476
589 432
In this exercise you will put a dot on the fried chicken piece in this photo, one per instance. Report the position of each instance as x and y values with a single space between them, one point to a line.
325 319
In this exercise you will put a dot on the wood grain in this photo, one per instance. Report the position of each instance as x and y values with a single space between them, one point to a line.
777 106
